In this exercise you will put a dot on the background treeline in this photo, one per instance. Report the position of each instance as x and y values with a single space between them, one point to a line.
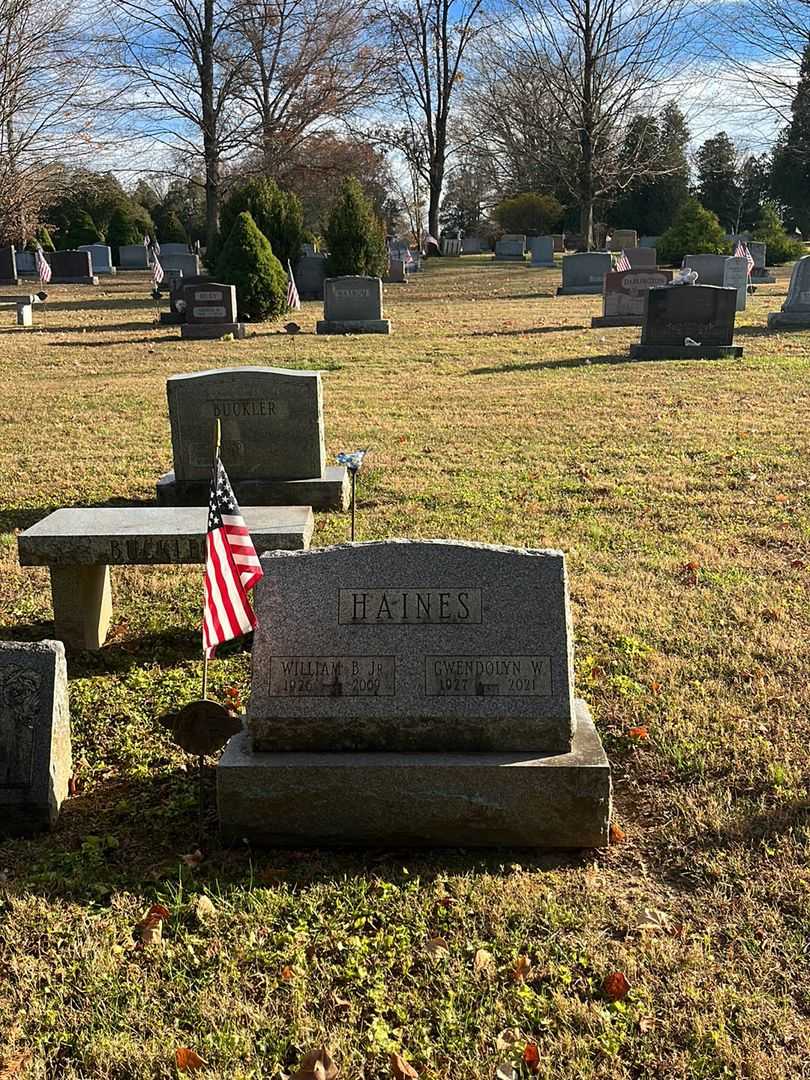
124 119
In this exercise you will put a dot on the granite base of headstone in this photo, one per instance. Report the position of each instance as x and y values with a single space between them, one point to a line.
353 305
625 296
795 313
35 756
688 322
415 693
272 439
541 250
71 268
584 274
210 312
8 266
101 258
511 248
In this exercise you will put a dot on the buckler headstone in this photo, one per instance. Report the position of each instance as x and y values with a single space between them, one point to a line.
271 421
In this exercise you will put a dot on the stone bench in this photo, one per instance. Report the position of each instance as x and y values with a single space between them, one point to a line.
24 306
79 546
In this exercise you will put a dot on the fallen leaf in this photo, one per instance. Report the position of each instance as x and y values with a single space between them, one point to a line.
287 973
616 986
13 1066
770 615
150 928
797 564
531 1057
316 1065
690 572
656 686
640 732
437 945
654 920
194 859
646 1023
617 833
188 1060
204 908
401 1070
522 968
484 963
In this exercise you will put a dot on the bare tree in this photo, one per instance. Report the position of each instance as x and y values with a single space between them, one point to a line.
48 106
429 41
180 68
594 64
307 63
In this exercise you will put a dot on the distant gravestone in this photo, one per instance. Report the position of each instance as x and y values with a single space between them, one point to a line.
451 246
272 435
35 758
621 239
27 264
310 275
649 241
511 248
396 272
584 273
71 268
353 305
625 296
641 258
177 305
185 261
759 273
541 249
422 691
795 311
101 258
8 266
703 314
724 270
575 242
471 245
133 257
174 249
559 243
210 312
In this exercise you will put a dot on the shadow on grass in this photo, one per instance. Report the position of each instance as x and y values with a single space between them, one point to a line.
555 365
130 835
98 305
527 332
109 343
100 328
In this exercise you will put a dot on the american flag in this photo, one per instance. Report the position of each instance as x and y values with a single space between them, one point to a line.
157 272
741 252
155 247
43 266
145 240
293 299
622 263
231 566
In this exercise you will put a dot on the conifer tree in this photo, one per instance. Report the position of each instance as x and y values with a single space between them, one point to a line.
247 261
354 236
790 175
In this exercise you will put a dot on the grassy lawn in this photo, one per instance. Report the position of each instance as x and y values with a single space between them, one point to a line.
681 495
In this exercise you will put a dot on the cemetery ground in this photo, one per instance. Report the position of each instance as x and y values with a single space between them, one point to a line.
680 492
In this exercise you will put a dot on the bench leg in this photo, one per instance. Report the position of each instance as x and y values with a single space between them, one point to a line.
82 605
25 315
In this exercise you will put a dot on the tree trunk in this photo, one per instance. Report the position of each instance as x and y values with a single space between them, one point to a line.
210 139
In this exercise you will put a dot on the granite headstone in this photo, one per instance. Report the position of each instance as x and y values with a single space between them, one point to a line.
795 311
420 670
272 438
511 248
210 312
724 270
71 268
625 296
101 258
310 274
133 257
584 273
541 249
690 322
35 758
8 266
353 305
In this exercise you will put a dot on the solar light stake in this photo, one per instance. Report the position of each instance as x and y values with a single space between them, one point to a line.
354 500
353 462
